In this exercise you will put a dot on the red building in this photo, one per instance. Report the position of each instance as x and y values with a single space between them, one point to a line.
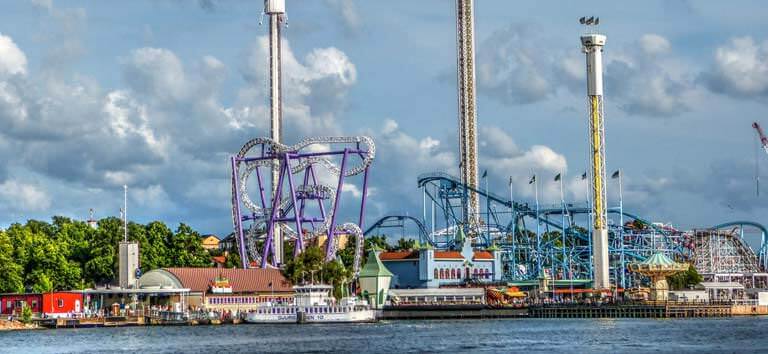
11 304
62 303
53 304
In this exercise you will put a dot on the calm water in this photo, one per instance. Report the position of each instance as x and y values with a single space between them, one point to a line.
747 334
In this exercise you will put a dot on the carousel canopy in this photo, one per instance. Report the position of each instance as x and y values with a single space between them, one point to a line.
658 263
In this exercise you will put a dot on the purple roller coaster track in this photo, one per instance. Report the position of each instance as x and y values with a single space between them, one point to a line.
306 210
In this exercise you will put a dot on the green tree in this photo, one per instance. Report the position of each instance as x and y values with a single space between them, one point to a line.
154 253
40 282
379 241
404 244
684 280
185 249
12 279
337 275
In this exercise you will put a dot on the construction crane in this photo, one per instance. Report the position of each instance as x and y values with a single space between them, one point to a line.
761 135
465 48
763 141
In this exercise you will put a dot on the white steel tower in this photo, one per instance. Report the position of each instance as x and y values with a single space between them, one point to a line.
592 46
275 9
465 42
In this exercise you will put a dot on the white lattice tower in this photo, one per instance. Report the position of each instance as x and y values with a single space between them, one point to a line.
275 9
465 41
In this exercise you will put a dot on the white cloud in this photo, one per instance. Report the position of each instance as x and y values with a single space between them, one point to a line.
154 197
653 44
43 4
315 88
349 15
390 126
429 143
740 68
24 197
512 68
12 59
156 73
649 81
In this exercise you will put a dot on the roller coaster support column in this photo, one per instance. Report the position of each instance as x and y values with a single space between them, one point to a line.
332 228
593 48
236 217
272 226
365 194
299 246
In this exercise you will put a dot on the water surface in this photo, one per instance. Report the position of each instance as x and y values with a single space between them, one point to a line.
742 335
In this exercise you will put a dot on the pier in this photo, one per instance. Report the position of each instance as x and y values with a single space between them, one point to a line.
632 310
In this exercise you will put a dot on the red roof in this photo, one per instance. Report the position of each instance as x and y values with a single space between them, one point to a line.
482 255
242 280
448 255
219 259
398 255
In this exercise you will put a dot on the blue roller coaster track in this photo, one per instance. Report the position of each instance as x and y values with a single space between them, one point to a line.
553 240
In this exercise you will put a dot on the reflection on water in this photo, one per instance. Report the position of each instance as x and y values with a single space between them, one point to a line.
741 335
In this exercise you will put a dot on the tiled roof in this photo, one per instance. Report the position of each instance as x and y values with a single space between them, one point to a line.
448 255
374 268
398 255
482 255
241 280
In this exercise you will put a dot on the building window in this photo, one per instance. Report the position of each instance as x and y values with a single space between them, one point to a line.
61 302
436 275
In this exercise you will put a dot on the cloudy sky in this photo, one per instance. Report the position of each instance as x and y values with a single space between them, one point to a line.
157 95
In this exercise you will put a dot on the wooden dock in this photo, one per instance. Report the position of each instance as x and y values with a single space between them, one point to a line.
449 312
632 310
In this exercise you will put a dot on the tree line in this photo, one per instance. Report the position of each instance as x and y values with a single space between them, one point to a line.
66 254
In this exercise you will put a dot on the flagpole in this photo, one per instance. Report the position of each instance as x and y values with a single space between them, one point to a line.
589 239
487 210
562 234
514 219
621 229
538 233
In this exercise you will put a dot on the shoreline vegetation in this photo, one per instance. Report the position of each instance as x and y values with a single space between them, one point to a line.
67 254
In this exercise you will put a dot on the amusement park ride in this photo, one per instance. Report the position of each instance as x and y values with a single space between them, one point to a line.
572 241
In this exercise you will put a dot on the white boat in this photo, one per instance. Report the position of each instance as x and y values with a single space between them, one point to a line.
313 304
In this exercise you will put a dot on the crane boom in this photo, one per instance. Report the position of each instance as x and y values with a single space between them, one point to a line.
761 135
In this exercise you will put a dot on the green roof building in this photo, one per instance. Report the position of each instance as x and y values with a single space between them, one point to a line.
374 280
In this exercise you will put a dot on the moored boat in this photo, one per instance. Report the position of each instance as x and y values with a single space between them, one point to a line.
313 304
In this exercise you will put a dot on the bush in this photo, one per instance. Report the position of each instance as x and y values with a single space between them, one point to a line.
26 314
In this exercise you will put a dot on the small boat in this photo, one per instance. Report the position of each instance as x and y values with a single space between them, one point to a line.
313 304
